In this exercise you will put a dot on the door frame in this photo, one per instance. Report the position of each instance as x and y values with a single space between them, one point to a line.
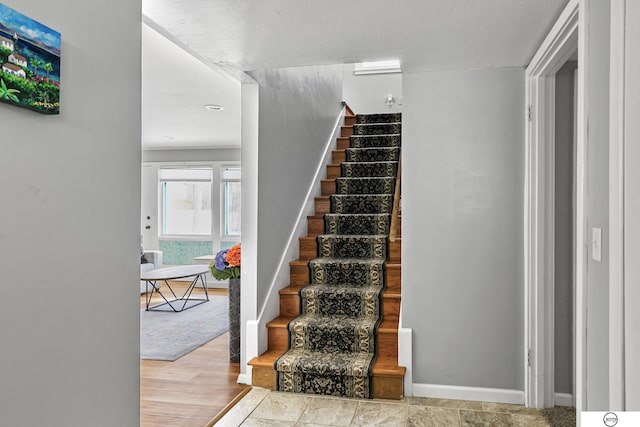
539 218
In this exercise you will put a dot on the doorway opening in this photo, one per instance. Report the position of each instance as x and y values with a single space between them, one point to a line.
565 114
554 218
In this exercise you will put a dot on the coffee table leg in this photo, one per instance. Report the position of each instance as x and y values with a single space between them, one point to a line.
186 297
203 280
157 291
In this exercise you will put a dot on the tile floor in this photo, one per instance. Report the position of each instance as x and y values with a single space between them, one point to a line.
261 407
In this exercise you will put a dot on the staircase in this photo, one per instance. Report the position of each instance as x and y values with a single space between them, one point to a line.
344 339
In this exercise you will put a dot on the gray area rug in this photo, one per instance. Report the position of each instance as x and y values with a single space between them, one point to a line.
169 336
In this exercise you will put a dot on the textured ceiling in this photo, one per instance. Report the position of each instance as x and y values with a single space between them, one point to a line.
423 34
243 35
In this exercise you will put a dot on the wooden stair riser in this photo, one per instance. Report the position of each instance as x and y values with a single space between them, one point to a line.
315 226
350 120
299 275
309 249
343 143
338 156
346 131
264 376
387 387
278 338
290 303
333 171
386 341
328 186
322 205
393 277
395 250
383 386
387 346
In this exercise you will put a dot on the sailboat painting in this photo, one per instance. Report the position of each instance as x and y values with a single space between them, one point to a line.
30 61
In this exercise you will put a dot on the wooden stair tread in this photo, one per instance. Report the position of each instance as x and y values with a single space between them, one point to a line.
389 326
294 290
280 321
313 238
385 368
265 359
305 262
380 367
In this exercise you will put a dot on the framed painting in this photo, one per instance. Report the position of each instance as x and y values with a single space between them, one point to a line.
30 61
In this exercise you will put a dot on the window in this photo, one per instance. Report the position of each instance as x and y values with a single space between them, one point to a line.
186 201
232 199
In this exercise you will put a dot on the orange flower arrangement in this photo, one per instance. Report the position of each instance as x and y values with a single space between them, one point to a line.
226 264
233 256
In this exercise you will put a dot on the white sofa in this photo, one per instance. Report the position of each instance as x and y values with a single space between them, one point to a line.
155 262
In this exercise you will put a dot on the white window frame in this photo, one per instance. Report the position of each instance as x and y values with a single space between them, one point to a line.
191 237
223 236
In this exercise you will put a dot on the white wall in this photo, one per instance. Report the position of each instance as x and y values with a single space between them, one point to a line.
596 68
367 93
192 155
462 242
298 109
69 229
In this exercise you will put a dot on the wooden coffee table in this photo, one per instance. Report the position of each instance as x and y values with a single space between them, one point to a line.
177 304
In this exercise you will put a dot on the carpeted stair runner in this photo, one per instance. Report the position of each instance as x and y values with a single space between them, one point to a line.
332 344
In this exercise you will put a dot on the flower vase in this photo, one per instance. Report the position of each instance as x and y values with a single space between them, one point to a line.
234 319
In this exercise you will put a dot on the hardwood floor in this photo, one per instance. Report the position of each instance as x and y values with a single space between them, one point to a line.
192 390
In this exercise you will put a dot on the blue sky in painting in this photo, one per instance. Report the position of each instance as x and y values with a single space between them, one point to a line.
29 28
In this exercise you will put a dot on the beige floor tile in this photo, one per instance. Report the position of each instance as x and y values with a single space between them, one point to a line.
445 403
380 414
243 408
313 425
281 407
520 420
426 416
257 422
332 412
485 419
509 408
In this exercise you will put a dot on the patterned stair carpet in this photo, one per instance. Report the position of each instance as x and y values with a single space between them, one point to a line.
332 344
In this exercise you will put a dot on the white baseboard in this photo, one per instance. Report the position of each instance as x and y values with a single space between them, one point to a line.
244 379
468 393
563 399
405 358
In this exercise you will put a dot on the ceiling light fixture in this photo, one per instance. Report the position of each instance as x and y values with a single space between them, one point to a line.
214 107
